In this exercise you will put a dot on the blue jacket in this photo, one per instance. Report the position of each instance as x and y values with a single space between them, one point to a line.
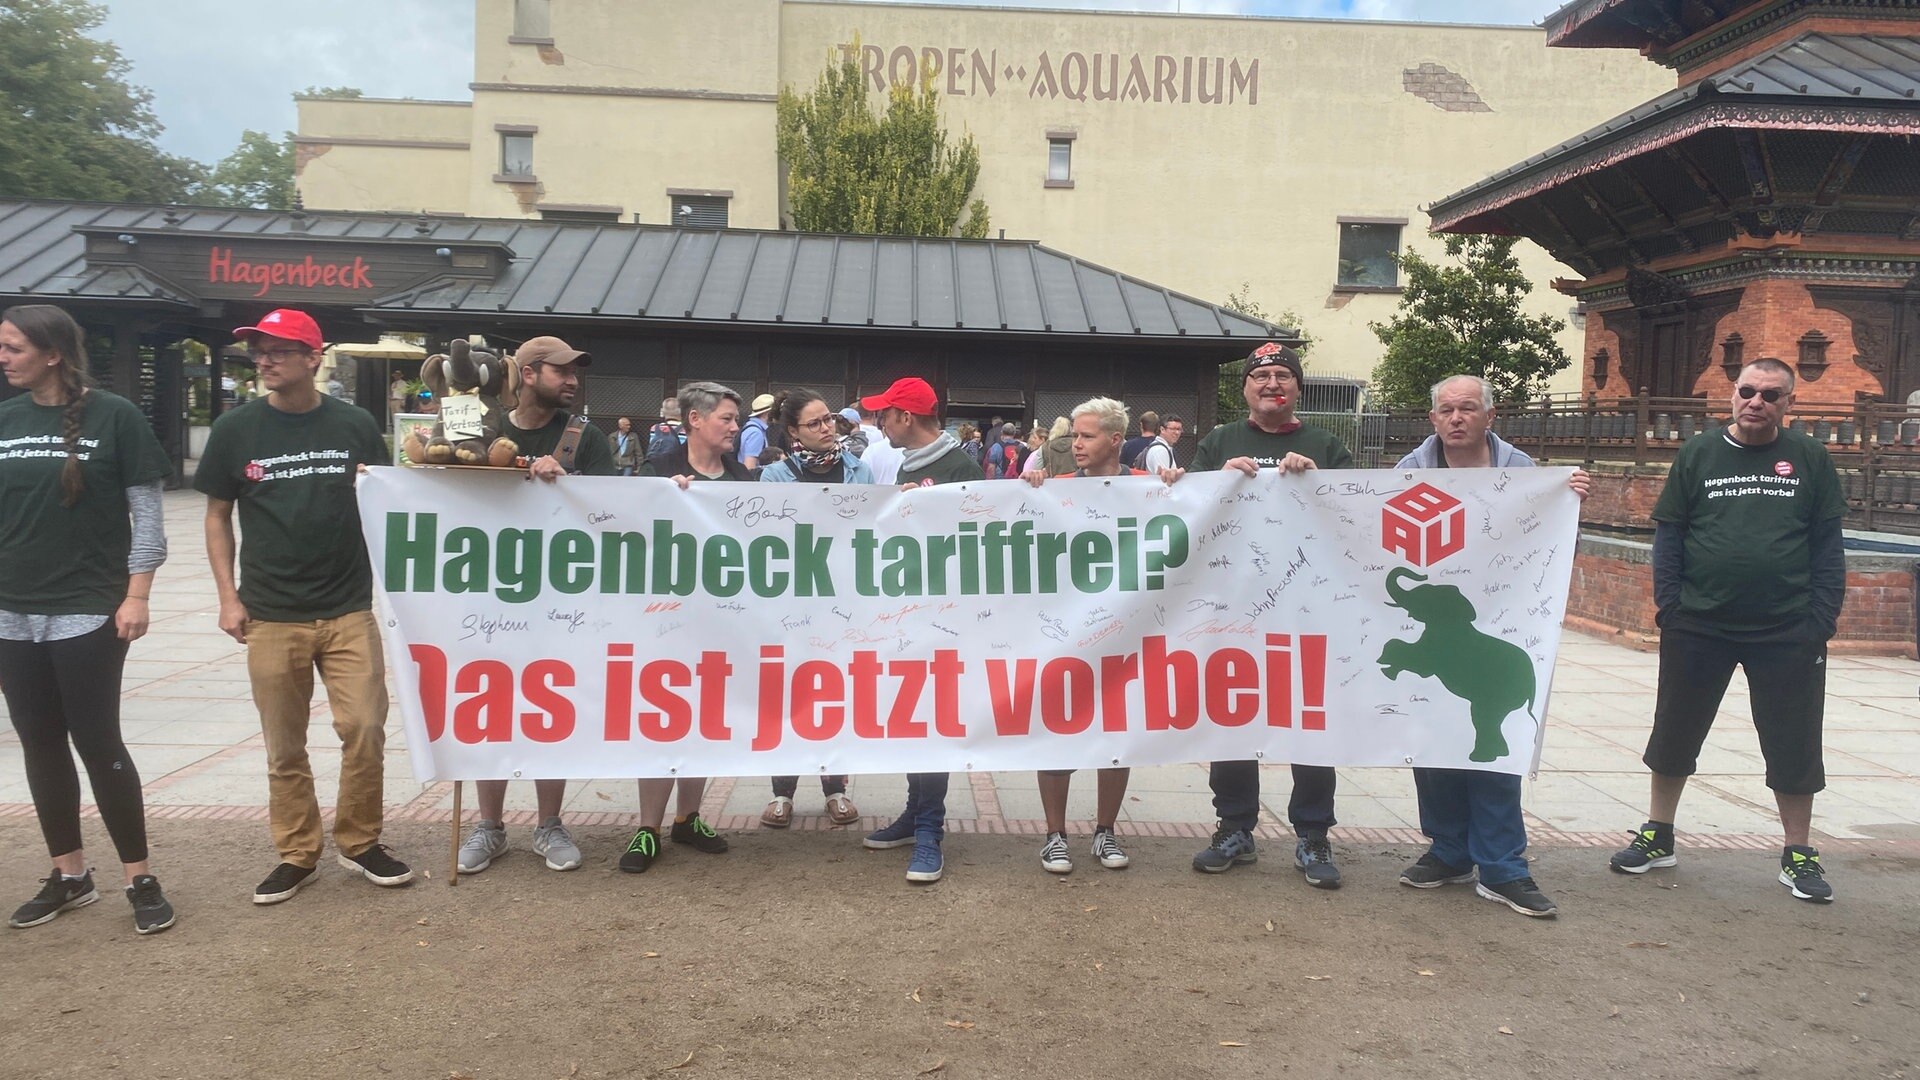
855 470
1427 455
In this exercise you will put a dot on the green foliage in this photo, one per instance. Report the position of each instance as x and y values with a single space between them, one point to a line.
259 173
331 92
894 174
1465 319
71 125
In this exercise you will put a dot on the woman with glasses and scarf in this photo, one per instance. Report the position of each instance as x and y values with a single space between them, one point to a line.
807 426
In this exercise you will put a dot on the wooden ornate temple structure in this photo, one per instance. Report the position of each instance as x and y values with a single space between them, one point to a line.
1767 207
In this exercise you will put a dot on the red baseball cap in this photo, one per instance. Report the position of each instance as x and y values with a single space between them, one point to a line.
285 323
910 395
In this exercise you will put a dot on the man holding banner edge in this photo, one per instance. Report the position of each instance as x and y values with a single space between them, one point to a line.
557 444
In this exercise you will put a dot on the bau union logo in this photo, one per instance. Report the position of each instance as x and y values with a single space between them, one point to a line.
1492 675
256 472
1423 525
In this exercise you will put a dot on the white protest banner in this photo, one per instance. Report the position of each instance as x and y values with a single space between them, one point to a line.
614 627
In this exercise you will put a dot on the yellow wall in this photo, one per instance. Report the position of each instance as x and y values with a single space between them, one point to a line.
1198 197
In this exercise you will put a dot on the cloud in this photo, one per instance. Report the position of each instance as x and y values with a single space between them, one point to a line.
219 67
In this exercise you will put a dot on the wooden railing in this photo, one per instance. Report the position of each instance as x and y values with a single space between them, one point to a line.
1875 446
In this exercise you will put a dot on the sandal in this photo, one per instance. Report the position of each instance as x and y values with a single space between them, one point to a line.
778 814
840 809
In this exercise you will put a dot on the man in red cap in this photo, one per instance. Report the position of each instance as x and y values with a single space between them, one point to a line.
910 418
305 596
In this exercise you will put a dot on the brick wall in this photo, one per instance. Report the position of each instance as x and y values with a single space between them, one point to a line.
1612 594
1771 319
1622 496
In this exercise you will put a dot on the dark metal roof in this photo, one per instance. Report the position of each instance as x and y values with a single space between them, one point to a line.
661 275
1634 24
1863 83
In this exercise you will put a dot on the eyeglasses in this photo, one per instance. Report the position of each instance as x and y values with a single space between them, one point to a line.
277 356
1748 393
1269 378
819 423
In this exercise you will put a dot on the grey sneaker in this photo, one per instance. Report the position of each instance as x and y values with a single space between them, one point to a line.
487 842
1054 858
1314 856
554 843
1107 850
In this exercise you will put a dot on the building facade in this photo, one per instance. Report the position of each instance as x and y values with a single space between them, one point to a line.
1288 157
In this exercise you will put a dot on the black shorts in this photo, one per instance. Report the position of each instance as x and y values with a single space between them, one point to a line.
1787 682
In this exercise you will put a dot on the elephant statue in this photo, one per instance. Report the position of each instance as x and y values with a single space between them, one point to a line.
1494 677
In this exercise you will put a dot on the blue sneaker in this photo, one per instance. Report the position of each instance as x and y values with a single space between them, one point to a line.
1230 848
1314 856
927 865
898 834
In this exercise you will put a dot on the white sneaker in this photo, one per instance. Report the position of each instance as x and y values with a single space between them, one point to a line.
1107 849
487 842
554 843
1053 855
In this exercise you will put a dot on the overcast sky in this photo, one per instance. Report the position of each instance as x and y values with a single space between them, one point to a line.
218 67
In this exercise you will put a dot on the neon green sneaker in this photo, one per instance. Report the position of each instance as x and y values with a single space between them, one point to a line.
1652 847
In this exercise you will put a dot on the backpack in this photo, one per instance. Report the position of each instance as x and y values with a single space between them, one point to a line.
1007 465
664 438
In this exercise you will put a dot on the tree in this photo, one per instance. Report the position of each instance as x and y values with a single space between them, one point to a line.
259 173
895 174
1465 319
72 126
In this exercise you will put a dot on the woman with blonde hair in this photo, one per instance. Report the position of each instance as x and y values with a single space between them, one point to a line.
80 521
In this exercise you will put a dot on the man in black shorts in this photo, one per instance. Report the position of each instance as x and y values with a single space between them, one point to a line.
1748 569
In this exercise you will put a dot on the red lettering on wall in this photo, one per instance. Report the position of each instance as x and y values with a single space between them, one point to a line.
307 273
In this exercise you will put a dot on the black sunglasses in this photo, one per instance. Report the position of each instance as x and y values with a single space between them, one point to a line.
1747 393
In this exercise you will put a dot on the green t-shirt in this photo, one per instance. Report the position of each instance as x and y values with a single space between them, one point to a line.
952 467
1242 439
1748 512
302 557
593 457
70 560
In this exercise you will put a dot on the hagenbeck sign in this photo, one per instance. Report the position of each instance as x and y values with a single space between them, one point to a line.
1139 78
291 268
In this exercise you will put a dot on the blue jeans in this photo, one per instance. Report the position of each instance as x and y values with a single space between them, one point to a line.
927 798
1473 819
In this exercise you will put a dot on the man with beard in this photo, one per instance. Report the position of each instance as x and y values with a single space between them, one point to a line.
558 444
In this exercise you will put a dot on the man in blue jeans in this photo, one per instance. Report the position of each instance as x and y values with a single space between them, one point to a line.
1473 816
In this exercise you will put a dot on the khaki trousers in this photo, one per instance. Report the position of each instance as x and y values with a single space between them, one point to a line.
281 659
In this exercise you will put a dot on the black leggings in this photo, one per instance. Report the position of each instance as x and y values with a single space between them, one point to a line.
61 690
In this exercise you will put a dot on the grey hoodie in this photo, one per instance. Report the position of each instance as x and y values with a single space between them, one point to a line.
1428 455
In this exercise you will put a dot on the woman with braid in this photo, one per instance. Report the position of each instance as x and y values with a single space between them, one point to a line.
802 421
80 523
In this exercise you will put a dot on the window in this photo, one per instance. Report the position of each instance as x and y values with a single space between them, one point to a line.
1367 250
1060 159
516 154
530 20
598 215
700 210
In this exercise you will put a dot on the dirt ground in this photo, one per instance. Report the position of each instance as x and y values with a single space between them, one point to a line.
803 956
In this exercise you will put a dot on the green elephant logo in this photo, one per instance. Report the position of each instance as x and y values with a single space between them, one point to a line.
1494 677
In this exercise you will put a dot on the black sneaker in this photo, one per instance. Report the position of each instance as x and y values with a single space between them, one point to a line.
1314 856
151 912
280 885
1800 872
1520 894
698 834
1229 848
379 865
1652 847
641 851
57 894
1431 873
